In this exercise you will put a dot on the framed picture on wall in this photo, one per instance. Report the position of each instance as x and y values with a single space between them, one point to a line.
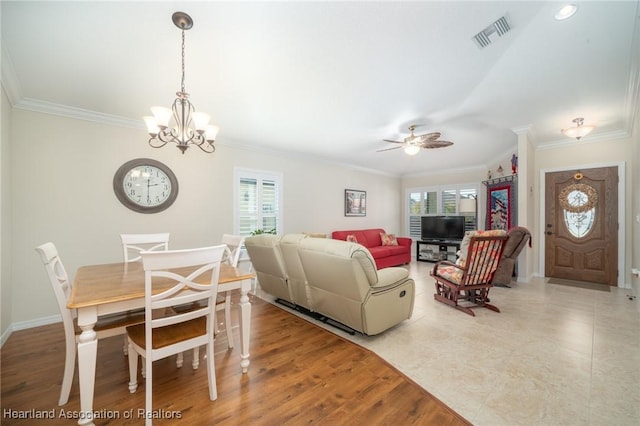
501 205
355 202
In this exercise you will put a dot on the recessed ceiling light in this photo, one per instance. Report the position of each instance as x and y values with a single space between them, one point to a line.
566 12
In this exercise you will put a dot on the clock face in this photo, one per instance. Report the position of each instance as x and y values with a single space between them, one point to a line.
145 185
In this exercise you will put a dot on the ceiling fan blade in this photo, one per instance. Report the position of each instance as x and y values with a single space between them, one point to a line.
388 149
429 136
436 144
388 140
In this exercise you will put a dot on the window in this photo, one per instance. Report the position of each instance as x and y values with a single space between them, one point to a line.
258 201
420 204
578 202
438 201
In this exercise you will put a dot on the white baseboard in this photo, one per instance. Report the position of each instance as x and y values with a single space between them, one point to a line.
23 325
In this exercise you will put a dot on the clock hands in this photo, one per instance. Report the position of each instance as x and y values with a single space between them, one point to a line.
149 185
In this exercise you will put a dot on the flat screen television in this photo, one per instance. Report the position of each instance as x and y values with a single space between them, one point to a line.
442 227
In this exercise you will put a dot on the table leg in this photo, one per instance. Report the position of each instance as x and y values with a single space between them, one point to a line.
245 324
87 352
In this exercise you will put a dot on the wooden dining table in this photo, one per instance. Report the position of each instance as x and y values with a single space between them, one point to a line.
117 287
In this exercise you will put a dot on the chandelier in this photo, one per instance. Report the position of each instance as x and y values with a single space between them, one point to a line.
189 127
579 130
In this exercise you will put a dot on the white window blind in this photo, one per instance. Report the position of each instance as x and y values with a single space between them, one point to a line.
258 201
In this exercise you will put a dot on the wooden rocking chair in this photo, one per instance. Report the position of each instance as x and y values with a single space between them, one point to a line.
469 279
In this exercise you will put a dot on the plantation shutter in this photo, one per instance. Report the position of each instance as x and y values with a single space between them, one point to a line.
258 202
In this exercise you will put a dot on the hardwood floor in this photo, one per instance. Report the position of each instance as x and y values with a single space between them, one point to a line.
299 374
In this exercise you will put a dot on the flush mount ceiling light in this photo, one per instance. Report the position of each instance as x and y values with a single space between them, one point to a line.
579 130
190 127
566 12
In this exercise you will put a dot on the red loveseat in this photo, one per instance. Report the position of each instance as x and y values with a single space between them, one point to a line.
384 256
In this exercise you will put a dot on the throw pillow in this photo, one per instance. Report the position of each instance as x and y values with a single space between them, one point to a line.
352 238
388 239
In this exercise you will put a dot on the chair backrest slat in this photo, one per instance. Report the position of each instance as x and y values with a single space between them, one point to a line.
234 245
59 281
133 244
483 256
184 276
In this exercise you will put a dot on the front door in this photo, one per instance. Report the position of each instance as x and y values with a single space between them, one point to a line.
581 225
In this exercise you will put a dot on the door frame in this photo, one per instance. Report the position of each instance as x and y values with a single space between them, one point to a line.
622 253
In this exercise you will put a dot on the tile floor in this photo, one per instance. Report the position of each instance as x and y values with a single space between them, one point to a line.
555 355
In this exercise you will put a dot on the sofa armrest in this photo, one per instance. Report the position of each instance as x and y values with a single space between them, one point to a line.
390 277
404 241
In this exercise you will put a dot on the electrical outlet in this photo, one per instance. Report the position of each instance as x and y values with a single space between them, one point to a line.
635 272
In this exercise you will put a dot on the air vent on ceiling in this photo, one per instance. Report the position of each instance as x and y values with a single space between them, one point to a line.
499 27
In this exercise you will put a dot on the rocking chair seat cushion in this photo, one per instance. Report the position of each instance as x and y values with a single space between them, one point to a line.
449 272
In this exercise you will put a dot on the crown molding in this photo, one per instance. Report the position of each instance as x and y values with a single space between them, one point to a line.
77 113
602 137
473 169
253 148
523 130
10 80
11 85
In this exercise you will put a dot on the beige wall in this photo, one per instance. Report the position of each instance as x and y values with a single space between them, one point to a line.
5 215
635 203
62 192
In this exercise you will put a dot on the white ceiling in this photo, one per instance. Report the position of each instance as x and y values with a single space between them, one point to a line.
332 79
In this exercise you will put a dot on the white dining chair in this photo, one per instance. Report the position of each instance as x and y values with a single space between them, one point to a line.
233 245
107 326
158 338
133 244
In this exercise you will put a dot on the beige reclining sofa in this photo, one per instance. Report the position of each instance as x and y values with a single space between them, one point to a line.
334 280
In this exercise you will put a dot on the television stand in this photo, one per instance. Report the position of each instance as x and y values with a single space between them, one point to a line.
435 250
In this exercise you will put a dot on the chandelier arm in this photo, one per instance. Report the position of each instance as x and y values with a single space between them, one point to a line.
156 142
162 138
204 145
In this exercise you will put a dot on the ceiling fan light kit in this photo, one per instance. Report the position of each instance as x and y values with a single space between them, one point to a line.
579 130
412 149
190 127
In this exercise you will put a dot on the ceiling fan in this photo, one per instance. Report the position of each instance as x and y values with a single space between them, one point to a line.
413 143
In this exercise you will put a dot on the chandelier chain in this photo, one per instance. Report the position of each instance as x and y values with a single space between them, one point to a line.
182 85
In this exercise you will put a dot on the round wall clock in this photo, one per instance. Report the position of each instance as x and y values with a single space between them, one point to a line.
145 185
